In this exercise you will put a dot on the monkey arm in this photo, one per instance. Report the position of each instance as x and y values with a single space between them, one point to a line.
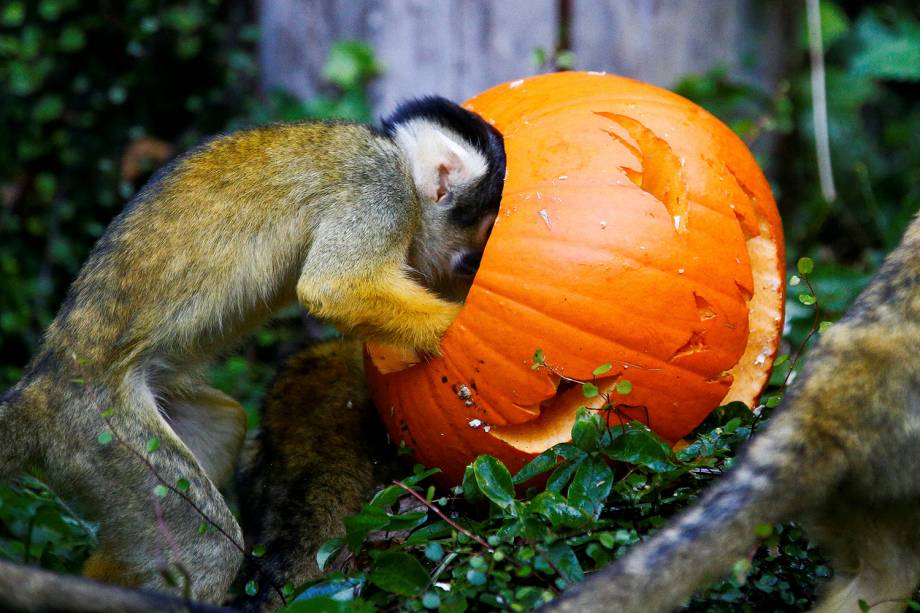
364 289
389 308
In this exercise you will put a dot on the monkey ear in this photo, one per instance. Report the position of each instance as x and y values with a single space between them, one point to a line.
441 161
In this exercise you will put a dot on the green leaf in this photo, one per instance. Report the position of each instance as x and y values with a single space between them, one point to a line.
104 438
537 466
603 368
71 39
252 588
589 390
863 605
107 413
807 299
153 444
160 491
636 444
434 552
762 531
623 387
565 560
350 63
586 430
47 109
476 577
430 600
805 266
538 358
357 527
182 485
565 59
896 58
590 487
824 326
399 573
557 510
258 550
436 530
471 491
563 473
14 14
494 480
328 550
387 496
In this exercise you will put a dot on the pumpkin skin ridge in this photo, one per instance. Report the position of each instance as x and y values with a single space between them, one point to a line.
626 184
537 238
663 362
544 110
491 406
596 335
487 407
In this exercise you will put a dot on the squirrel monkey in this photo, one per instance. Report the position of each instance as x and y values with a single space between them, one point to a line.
377 231
842 456
318 457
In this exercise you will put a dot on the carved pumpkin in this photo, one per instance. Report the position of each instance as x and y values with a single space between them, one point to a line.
635 230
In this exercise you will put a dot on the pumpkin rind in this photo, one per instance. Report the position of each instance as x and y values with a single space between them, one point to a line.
635 229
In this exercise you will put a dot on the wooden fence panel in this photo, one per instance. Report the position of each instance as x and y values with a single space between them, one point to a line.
297 35
454 48
457 48
659 41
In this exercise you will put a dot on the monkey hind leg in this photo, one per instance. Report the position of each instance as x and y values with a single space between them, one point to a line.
875 556
157 509
212 425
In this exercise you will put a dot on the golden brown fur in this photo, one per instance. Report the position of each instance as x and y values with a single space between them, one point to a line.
842 456
328 214
319 455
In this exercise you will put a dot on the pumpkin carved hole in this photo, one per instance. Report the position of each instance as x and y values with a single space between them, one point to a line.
557 414
705 310
662 172
695 344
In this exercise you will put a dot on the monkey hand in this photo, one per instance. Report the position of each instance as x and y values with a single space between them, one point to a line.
390 308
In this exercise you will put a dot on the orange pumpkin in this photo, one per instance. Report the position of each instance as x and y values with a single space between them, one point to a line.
635 230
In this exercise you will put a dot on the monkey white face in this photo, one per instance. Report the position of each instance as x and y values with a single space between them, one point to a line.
457 162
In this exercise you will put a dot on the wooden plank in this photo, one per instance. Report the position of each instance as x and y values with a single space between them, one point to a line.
297 35
661 40
456 48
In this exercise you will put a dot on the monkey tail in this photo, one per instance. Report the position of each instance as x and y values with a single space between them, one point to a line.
774 478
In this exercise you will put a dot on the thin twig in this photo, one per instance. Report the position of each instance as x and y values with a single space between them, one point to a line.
197 509
548 560
441 514
819 101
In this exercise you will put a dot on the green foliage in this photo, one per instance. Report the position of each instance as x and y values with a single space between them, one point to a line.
491 544
38 527
872 79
